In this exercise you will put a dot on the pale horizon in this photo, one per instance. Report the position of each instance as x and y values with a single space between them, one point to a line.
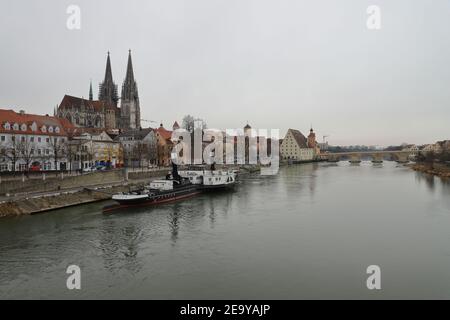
277 65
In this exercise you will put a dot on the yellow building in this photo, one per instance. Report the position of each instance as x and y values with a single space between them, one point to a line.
91 149
295 147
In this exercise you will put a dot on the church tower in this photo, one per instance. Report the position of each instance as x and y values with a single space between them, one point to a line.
130 112
108 89
311 139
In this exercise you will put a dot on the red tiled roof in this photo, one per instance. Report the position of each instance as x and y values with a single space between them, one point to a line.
166 134
75 102
300 138
13 117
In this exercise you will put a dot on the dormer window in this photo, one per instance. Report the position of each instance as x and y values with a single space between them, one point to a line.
50 129
44 129
16 126
57 129
33 126
23 127
7 126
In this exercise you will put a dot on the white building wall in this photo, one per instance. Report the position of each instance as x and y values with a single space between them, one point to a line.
43 152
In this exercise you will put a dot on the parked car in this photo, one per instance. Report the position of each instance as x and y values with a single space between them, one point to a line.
89 169
35 168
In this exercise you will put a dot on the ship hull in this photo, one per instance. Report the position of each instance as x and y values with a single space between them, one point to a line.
161 198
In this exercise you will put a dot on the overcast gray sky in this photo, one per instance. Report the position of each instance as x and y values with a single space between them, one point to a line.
278 64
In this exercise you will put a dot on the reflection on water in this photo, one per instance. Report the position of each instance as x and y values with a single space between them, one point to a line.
308 232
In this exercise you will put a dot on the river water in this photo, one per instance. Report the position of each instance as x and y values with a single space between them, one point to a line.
309 232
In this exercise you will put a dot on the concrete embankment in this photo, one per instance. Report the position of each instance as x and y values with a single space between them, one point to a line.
48 202
34 196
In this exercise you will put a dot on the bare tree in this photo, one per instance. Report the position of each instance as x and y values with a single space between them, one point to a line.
110 153
11 152
141 151
152 152
189 123
72 152
26 150
59 149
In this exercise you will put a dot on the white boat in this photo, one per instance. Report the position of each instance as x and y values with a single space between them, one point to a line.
210 179
129 197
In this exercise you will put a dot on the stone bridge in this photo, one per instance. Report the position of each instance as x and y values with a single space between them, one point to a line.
376 156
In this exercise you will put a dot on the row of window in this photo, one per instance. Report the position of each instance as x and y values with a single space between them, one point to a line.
32 139
33 151
23 167
23 127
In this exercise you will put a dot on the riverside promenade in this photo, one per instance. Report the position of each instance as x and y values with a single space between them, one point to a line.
20 195
35 194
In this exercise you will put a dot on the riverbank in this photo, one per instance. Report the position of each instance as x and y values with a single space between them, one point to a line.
437 169
58 200
79 190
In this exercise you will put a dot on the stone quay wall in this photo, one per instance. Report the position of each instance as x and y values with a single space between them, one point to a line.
30 185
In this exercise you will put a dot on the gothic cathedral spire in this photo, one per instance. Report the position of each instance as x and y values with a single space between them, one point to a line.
130 109
91 96
108 89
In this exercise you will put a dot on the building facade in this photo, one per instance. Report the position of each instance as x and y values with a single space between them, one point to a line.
32 142
296 146
164 146
139 147
94 149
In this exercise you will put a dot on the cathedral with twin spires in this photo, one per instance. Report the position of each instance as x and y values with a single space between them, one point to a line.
105 112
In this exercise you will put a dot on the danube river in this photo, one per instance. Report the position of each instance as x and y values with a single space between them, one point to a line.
309 232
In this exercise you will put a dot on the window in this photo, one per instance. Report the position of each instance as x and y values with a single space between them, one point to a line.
57 129
50 129
47 140
47 151
23 127
16 126
31 139
44 129
39 151
7 126
13 138
3 138
39 139
22 139
3 167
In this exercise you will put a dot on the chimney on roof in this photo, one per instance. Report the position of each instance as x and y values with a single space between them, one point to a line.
22 112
